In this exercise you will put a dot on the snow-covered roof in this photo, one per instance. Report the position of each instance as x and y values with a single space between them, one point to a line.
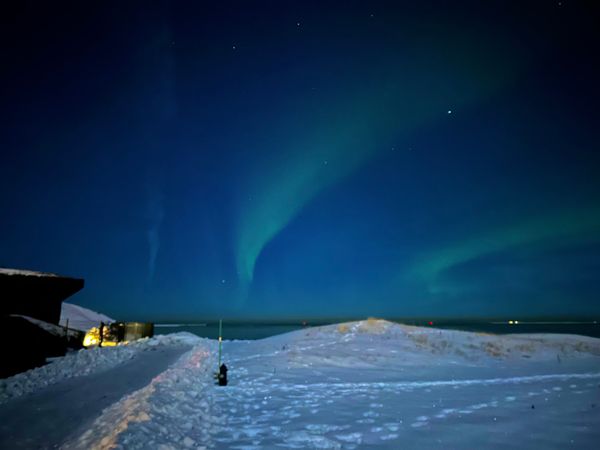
81 318
26 273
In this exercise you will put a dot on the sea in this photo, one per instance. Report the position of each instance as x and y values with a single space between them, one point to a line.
252 331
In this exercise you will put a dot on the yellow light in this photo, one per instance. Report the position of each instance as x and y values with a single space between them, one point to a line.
510 322
92 337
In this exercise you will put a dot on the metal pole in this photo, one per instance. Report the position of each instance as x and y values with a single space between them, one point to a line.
220 340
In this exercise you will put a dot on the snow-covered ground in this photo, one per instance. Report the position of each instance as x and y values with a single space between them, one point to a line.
361 385
84 362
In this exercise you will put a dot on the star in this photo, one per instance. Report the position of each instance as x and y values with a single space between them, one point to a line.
449 111
233 47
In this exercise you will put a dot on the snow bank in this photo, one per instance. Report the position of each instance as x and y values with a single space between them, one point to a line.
81 318
83 362
174 411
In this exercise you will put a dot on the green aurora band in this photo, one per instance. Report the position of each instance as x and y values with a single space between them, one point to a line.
341 140
563 229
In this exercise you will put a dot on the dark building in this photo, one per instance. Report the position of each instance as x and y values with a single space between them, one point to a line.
35 294
26 343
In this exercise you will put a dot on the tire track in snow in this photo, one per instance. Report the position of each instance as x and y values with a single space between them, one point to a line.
443 383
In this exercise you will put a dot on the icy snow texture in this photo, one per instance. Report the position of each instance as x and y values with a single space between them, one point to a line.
83 362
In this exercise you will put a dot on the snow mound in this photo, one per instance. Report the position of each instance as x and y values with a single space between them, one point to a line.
84 362
371 343
174 411
81 318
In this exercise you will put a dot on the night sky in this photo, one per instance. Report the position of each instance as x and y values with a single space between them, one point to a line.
305 159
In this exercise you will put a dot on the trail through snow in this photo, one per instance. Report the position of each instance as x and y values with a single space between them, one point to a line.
46 418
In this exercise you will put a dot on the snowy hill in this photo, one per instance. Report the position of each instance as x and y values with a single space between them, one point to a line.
81 318
367 384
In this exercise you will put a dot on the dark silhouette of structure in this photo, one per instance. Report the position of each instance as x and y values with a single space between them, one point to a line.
222 375
24 344
35 294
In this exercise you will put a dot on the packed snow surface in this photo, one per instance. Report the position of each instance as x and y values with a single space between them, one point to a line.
81 318
368 384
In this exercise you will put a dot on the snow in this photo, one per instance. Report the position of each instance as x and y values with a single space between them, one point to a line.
28 273
368 384
84 362
49 327
80 318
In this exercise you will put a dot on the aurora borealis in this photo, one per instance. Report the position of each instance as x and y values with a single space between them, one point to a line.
306 160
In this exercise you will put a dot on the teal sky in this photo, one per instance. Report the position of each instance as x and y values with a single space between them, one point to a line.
302 160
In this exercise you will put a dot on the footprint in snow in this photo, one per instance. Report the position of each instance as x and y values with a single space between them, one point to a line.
365 421
388 437
392 426
354 438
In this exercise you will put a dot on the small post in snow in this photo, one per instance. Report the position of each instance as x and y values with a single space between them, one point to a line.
220 339
221 374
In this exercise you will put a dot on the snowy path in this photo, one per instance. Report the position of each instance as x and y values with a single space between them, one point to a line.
369 384
45 419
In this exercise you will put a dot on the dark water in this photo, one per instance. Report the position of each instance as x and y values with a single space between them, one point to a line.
584 329
259 331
